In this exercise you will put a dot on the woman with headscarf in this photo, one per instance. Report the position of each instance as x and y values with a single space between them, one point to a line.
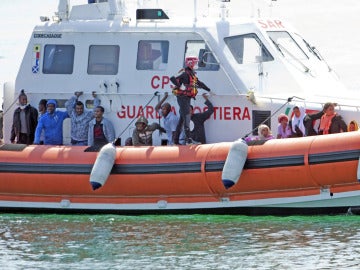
297 122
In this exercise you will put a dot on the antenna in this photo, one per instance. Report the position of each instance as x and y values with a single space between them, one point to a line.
195 12
63 10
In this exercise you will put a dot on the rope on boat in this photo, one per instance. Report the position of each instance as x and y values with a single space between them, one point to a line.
270 116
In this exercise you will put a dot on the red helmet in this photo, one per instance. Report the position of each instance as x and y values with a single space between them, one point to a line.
191 61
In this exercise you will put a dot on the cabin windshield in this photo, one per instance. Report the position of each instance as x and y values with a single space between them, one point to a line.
152 55
207 61
58 59
288 47
310 48
248 49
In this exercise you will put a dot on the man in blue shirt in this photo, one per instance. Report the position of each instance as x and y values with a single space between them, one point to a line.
170 120
52 124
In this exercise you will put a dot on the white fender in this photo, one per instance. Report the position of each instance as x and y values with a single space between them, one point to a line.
102 166
358 171
234 163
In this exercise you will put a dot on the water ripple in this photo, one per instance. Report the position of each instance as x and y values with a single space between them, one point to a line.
178 242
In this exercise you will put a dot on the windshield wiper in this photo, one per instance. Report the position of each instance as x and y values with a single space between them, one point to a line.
282 49
312 49
317 54
277 46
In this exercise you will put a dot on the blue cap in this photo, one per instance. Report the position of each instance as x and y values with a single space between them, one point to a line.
51 101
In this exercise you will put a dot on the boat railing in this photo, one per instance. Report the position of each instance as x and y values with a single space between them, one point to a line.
316 105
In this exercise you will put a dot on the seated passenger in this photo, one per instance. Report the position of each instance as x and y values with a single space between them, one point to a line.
264 133
297 122
284 130
128 141
142 134
353 126
101 130
330 121
198 132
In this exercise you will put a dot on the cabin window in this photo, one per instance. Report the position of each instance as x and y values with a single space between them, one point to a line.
89 104
58 59
103 60
207 60
287 45
152 55
260 117
60 103
248 49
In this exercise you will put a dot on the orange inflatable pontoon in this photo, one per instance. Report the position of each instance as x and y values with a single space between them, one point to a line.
310 175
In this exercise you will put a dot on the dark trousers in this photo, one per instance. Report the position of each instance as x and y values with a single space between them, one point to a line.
184 121
25 139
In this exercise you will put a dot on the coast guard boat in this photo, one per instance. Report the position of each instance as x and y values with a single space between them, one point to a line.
257 67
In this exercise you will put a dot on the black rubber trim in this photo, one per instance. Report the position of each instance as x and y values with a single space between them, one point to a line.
191 167
330 157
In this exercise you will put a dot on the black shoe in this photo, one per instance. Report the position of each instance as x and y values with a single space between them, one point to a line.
189 141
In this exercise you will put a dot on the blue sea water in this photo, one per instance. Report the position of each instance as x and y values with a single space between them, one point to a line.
178 242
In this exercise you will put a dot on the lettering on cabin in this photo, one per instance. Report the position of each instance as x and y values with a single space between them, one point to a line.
47 35
220 113
271 24
132 111
159 81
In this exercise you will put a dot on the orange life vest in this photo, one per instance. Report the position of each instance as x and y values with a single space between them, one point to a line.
190 89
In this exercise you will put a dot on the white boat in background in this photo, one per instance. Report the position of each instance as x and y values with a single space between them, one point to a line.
257 67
